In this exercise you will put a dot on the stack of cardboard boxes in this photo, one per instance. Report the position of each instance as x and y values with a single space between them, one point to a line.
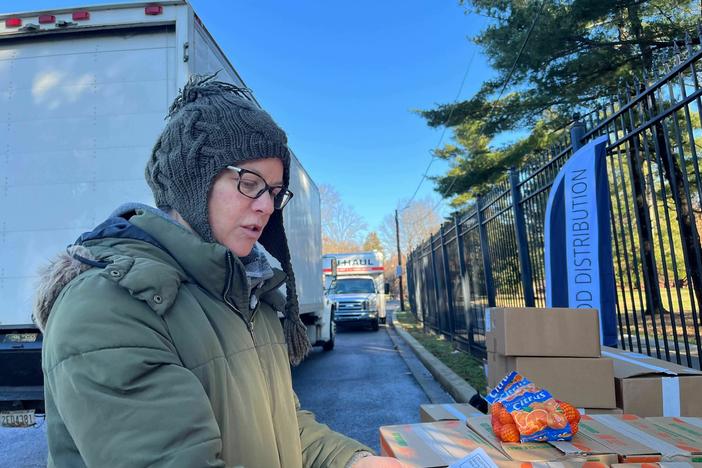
604 440
557 349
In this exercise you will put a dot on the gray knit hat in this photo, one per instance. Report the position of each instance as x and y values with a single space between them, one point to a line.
212 125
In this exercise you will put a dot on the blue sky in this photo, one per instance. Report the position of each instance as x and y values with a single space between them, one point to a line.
342 79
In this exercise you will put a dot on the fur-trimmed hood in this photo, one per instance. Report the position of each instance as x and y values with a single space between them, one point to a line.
54 277
77 258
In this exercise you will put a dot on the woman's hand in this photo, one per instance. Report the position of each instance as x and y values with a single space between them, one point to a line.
378 462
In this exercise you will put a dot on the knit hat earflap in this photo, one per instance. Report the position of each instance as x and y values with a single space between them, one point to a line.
212 125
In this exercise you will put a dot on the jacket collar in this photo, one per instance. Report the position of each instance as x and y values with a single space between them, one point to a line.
209 264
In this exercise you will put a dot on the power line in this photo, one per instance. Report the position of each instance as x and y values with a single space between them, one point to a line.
504 86
433 156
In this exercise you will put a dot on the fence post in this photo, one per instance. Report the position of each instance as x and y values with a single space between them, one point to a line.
465 287
485 250
409 264
522 242
449 286
425 289
436 280
577 132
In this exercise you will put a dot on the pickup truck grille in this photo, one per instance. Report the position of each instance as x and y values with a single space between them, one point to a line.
350 306
350 310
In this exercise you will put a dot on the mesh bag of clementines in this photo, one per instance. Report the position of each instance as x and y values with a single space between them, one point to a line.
523 412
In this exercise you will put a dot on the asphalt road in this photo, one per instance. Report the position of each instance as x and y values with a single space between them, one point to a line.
359 386
23 447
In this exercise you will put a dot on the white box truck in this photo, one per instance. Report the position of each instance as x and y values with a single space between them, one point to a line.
83 95
355 287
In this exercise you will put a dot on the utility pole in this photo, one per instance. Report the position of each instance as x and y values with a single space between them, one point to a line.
399 263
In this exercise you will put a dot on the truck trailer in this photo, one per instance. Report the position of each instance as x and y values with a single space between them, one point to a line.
355 287
83 96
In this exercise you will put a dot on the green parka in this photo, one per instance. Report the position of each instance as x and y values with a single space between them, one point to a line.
152 356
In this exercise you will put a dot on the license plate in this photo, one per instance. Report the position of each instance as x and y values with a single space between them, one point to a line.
24 418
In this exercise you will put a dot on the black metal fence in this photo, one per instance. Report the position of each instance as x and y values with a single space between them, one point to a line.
493 255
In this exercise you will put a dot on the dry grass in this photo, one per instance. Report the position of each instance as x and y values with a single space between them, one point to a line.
463 364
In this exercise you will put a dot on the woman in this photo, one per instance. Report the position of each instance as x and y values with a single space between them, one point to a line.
162 343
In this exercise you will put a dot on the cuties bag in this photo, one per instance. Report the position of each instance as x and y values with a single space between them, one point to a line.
521 411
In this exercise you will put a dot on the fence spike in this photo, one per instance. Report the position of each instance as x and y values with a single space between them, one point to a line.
628 91
688 42
668 58
656 66
636 85
676 52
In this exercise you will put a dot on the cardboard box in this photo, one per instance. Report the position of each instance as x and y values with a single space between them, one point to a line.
533 331
575 451
583 382
646 386
673 445
527 452
689 429
600 410
658 465
628 449
436 444
447 412
692 421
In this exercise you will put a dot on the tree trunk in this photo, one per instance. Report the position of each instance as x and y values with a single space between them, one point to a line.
650 270
683 211
674 175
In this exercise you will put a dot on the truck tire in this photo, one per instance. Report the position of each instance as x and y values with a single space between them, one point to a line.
329 345
375 325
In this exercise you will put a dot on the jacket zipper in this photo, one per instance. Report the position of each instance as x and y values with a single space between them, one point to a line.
249 323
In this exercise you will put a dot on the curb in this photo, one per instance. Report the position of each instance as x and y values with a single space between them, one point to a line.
458 388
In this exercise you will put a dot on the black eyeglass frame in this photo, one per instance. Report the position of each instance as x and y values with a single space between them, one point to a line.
285 194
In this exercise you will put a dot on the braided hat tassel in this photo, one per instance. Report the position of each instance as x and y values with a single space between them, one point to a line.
274 240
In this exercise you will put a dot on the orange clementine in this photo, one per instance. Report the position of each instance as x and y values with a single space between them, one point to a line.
574 427
556 420
496 427
571 413
509 433
504 416
537 417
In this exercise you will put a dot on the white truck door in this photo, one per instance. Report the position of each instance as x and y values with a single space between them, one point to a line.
79 114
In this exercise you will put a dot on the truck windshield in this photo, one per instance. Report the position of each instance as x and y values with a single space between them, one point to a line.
353 285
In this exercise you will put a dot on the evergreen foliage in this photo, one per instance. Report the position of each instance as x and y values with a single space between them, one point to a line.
579 51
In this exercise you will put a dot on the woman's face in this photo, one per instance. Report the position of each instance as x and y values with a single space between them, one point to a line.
236 220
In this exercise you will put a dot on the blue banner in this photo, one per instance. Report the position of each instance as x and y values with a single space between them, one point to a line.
577 238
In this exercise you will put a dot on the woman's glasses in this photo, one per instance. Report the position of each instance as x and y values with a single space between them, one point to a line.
252 185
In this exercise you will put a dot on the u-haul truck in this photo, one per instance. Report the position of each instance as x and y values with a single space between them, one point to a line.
355 287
